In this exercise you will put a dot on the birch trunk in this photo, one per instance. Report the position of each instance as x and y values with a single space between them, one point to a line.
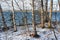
14 24
33 18
50 15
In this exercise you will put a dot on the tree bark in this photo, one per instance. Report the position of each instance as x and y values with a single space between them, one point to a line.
46 16
59 4
3 19
42 14
14 24
50 15
33 18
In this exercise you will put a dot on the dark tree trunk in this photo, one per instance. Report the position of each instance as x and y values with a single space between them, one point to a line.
59 4
46 5
42 15
3 20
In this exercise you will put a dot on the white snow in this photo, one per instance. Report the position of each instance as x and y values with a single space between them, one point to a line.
23 34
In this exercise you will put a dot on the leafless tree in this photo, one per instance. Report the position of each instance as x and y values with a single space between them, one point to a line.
46 12
42 14
50 15
59 4
3 19
33 21
14 24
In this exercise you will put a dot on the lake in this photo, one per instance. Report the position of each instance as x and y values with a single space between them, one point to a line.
20 15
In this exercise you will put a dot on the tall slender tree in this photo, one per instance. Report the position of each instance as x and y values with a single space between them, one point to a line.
3 19
14 24
42 14
33 20
59 4
50 15
46 6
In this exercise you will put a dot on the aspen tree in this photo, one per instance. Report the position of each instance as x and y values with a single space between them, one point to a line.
50 15
33 21
14 23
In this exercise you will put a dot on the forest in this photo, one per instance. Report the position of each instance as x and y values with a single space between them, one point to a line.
30 19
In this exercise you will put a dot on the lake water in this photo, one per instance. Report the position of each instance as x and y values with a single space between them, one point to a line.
20 15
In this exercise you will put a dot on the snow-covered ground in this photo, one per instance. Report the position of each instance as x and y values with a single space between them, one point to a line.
23 34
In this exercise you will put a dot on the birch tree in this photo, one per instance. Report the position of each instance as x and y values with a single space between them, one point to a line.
33 21
50 15
14 23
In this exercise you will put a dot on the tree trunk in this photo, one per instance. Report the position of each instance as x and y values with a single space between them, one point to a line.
33 22
59 4
23 13
33 18
50 15
42 14
14 24
46 16
3 19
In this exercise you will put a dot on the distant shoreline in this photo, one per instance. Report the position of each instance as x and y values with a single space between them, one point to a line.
25 11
